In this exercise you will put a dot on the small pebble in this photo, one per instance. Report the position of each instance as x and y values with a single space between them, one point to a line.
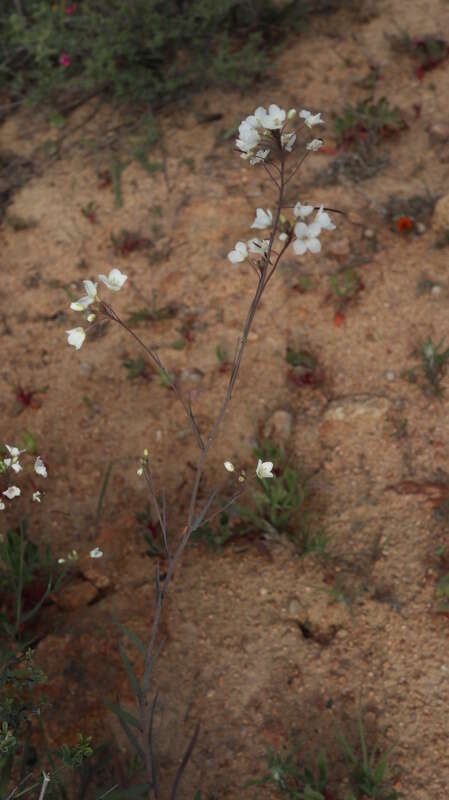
435 290
390 376
420 228
369 233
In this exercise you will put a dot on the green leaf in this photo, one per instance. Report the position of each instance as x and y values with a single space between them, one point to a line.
129 671
121 715
133 638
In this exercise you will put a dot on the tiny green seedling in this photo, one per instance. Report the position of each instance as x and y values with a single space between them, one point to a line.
137 368
153 314
346 287
370 772
434 360
305 369
293 780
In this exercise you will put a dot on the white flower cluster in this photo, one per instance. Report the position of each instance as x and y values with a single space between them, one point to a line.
114 281
264 129
307 235
12 462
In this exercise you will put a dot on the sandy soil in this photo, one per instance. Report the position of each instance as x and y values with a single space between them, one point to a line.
236 657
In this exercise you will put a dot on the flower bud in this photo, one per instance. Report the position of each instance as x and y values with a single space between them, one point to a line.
292 113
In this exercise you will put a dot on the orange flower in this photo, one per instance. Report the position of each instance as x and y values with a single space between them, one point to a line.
403 223
339 319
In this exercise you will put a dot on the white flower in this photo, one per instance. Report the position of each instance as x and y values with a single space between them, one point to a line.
14 451
229 466
292 113
256 120
288 140
307 238
11 492
248 139
2 505
90 297
315 145
37 497
258 246
61 560
240 253
115 280
75 337
283 237
274 118
96 553
323 220
40 468
13 463
259 157
311 119
302 211
90 317
264 219
264 469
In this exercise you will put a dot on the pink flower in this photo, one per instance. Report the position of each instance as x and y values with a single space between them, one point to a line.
64 60
70 9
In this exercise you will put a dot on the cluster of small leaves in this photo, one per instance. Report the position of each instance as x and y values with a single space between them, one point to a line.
146 50
19 678
368 122
20 703
429 50
369 773
433 358
305 368
345 288
26 580
293 780
273 507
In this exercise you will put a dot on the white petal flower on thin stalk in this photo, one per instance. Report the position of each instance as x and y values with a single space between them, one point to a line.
37 497
13 463
307 238
260 156
315 145
264 219
258 246
323 219
75 337
248 139
14 451
240 253
12 492
114 281
311 119
2 505
229 466
96 553
264 469
302 211
288 141
274 118
90 297
39 467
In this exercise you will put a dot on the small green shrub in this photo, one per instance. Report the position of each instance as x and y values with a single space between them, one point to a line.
143 50
368 122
